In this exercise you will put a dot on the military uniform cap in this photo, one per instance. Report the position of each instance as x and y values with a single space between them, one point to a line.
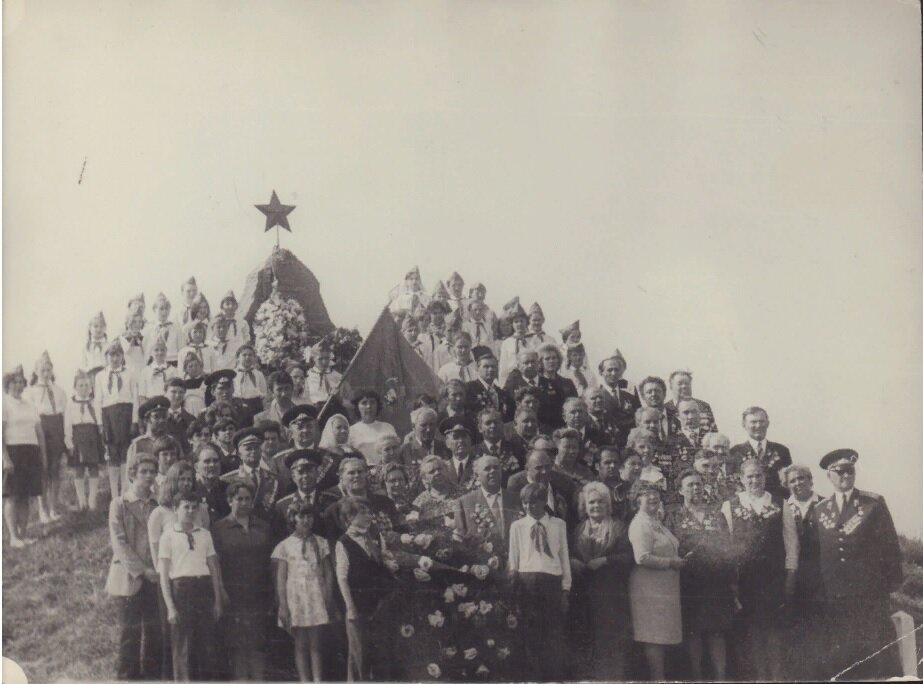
482 352
297 413
220 376
153 404
300 457
247 436
456 424
839 457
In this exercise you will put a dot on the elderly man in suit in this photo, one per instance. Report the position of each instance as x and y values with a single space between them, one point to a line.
512 455
772 455
620 400
133 579
681 388
488 510
540 469
860 565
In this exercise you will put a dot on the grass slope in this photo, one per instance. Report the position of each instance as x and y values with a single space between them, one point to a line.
59 624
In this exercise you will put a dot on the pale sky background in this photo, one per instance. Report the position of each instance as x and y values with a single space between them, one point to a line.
732 187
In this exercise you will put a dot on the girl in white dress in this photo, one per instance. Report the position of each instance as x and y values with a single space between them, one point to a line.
304 582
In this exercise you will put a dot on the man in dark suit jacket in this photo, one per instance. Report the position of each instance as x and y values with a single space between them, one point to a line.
681 387
512 455
525 373
561 489
484 392
458 439
772 455
489 510
860 565
620 401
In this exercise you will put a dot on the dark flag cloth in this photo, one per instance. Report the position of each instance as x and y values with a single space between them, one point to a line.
387 364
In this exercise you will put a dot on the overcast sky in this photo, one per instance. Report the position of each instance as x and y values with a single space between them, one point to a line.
732 187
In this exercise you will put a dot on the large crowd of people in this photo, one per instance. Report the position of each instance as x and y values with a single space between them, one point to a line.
600 529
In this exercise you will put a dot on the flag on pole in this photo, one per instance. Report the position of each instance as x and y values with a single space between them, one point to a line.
387 364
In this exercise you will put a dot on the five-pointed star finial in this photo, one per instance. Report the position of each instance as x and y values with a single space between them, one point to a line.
276 212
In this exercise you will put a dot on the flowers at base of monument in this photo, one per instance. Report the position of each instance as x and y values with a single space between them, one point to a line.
433 670
436 619
344 343
407 631
280 331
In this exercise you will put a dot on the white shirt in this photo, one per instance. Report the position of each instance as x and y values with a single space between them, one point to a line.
153 379
319 386
20 419
524 557
245 388
453 371
225 353
163 518
803 506
789 528
127 394
78 412
509 356
205 353
186 562
841 498
95 356
169 333
40 396
363 437
434 351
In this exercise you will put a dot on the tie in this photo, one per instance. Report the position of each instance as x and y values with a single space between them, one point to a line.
760 449
117 376
479 332
842 503
161 371
495 510
191 540
460 468
46 391
520 341
86 405
98 344
232 323
324 382
221 346
198 351
540 538
248 374
494 397
494 449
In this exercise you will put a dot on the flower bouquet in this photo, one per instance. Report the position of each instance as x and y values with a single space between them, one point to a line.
280 331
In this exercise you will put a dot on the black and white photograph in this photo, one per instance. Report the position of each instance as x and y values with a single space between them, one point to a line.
437 341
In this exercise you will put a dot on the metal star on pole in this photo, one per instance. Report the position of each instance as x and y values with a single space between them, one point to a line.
276 214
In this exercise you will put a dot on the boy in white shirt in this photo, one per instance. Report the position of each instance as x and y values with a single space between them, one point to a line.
189 576
539 569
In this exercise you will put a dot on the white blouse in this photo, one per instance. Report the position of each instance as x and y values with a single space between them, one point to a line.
20 418
363 437
42 396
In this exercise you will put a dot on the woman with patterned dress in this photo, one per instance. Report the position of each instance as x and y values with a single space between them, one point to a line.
765 541
707 583
653 587
601 557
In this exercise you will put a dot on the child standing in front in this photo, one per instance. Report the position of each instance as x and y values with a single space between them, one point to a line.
539 569
82 435
116 397
190 579
305 587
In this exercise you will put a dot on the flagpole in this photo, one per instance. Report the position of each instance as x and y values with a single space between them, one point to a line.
351 362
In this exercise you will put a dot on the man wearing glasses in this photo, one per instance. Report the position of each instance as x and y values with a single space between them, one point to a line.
860 565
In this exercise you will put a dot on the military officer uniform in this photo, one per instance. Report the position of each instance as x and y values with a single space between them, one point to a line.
263 482
479 396
860 565
621 404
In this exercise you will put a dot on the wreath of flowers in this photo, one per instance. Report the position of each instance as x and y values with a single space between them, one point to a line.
280 331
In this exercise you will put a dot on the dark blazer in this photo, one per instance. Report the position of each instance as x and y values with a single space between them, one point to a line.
514 381
706 415
467 479
860 557
465 513
621 405
808 585
777 456
477 398
512 455
267 492
215 498
555 391
178 426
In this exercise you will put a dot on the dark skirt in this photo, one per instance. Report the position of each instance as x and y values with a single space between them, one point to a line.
117 431
707 602
88 445
26 478
53 429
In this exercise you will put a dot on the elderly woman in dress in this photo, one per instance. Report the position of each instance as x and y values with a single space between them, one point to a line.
707 583
397 488
24 457
765 540
653 587
439 494
601 557
364 434
387 450
243 544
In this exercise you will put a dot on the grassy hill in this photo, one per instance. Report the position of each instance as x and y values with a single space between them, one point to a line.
58 623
